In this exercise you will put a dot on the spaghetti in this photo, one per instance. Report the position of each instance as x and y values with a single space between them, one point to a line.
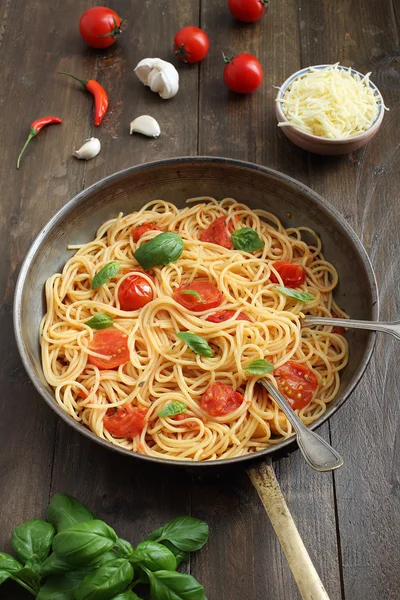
161 370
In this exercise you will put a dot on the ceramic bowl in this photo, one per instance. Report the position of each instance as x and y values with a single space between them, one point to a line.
320 145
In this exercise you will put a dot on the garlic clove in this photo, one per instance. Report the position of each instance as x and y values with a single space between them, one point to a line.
89 150
160 75
145 125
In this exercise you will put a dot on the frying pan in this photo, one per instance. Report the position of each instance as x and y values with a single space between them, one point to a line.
175 180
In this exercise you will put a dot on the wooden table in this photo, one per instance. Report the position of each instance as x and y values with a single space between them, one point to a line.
350 520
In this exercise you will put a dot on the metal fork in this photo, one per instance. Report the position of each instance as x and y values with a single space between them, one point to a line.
392 328
316 451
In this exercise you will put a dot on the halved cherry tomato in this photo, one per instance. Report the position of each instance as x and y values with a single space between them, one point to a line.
126 421
224 315
137 232
81 394
100 26
220 399
134 293
191 44
292 275
297 383
337 329
218 233
206 295
248 11
112 343
243 73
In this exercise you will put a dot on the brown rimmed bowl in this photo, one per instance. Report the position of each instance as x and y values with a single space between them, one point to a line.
176 180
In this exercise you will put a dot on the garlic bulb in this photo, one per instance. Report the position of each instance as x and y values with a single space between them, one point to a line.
145 125
89 150
159 75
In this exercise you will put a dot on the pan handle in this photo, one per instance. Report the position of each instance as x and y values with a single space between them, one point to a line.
310 585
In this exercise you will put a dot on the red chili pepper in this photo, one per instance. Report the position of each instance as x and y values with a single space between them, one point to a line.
36 126
99 94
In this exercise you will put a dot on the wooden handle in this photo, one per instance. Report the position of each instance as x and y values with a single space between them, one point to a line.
263 478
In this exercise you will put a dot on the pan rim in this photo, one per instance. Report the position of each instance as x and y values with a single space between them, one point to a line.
76 200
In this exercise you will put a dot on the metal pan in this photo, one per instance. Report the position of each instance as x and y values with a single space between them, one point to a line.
176 180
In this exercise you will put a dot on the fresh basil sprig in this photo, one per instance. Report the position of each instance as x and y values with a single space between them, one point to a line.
246 240
100 321
109 270
64 511
193 293
172 408
112 578
62 587
186 533
166 584
153 556
84 543
159 251
301 296
196 343
32 537
259 367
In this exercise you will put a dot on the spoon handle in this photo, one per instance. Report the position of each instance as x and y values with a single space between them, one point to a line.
384 326
316 451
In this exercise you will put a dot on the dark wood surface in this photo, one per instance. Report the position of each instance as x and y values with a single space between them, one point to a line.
349 521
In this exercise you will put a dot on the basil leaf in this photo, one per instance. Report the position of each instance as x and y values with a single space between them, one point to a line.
259 367
65 510
61 588
54 565
124 548
154 557
246 239
100 321
172 408
109 270
301 296
193 293
167 585
196 343
8 566
29 574
32 537
185 533
84 543
180 555
128 595
161 250
112 578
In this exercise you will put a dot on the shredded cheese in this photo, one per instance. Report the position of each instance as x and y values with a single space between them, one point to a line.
332 102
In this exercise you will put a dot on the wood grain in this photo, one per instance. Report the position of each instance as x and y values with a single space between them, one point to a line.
348 523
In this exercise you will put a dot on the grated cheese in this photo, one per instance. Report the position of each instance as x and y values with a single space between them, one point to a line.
332 102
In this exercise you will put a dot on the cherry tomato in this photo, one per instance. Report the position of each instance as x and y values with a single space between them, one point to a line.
126 421
292 275
297 383
218 233
224 315
248 11
191 44
337 329
220 399
137 232
243 73
100 26
134 293
112 343
206 295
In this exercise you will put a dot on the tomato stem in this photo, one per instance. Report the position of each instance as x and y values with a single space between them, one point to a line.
228 59
265 2
116 32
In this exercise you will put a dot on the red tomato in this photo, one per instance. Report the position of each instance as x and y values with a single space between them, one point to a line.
137 232
191 44
297 383
126 421
100 26
220 399
336 329
112 343
134 293
248 11
243 73
224 315
206 295
292 275
218 233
